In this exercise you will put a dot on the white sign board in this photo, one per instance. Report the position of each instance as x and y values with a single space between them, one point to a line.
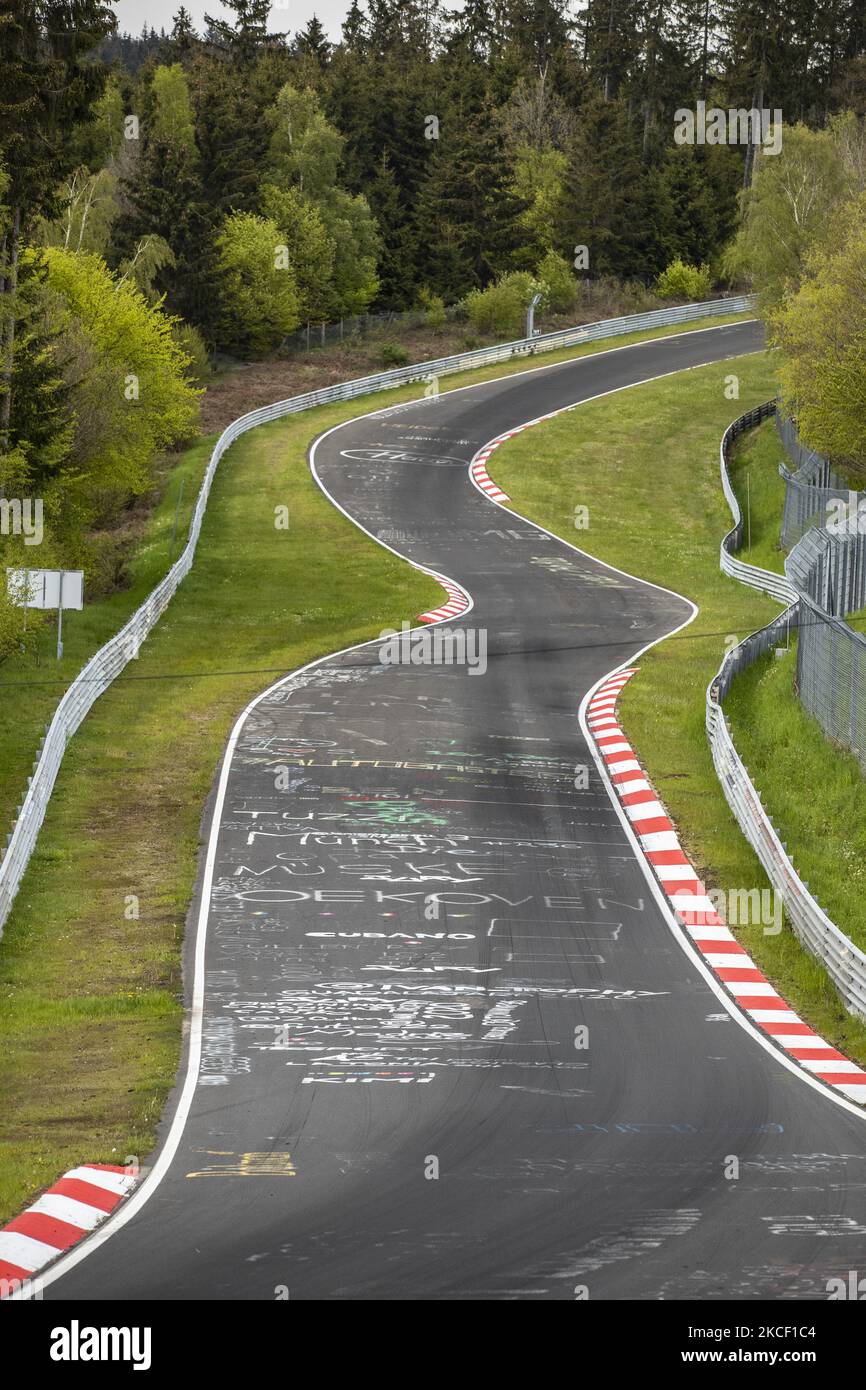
46 588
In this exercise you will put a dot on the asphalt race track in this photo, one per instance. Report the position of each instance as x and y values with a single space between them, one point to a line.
429 951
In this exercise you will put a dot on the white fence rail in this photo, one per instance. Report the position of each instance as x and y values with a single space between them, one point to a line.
769 583
844 962
106 664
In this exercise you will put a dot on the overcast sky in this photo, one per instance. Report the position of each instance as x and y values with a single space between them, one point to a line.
286 15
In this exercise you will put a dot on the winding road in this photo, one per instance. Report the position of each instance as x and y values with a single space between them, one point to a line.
452 1044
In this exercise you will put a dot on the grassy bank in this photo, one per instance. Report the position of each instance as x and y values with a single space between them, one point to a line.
90 1017
32 684
814 791
754 474
645 462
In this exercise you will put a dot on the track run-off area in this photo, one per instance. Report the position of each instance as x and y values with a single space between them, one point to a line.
446 1038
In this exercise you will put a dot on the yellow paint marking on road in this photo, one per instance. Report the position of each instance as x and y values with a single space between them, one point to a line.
249 1165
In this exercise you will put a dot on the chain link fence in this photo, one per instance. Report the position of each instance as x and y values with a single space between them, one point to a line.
810 486
827 567
831 677
106 664
829 571
364 326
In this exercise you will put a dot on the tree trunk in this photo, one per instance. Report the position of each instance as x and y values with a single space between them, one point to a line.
748 170
705 50
609 90
10 288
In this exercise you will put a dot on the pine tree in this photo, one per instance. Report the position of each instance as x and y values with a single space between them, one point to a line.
610 44
183 35
611 202
468 226
167 200
701 185
355 29
40 427
231 135
248 35
540 29
313 42
397 288
476 28
47 86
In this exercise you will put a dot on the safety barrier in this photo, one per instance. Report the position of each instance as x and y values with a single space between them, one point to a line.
844 962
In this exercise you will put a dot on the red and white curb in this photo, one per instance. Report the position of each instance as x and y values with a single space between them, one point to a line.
481 478
76 1204
732 966
458 602
478 467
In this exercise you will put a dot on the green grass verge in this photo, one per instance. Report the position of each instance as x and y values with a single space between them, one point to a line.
645 462
760 490
90 1013
31 685
786 753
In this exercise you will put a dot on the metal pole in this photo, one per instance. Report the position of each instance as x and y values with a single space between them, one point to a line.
60 619
176 514
749 504
530 314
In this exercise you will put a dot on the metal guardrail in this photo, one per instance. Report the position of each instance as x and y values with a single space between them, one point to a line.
765 580
107 663
844 962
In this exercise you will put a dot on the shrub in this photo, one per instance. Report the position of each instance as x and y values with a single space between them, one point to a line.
192 345
682 281
434 309
562 287
393 355
501 308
